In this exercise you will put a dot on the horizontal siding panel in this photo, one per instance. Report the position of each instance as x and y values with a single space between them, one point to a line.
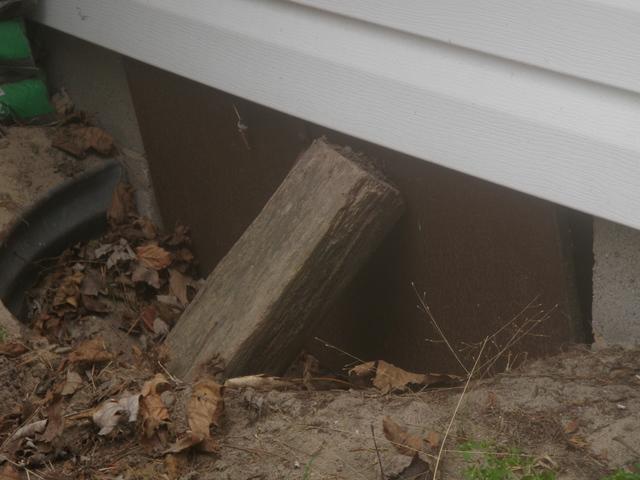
557 137
598 40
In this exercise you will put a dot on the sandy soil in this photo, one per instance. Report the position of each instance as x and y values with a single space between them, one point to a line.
529 409
29 167
577 412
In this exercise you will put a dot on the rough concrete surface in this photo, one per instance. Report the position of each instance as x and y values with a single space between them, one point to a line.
95 79
616 284
139 177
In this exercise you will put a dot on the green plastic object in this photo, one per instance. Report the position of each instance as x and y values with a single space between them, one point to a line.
14 45
24 100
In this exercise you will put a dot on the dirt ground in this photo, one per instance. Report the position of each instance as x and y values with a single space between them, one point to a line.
30 166
576 413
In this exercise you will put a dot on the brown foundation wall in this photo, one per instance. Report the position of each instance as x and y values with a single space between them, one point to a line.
480 252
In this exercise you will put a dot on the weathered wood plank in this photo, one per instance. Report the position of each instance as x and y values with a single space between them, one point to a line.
265 296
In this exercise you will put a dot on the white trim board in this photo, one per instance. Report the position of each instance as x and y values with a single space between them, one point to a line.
556 136
596 40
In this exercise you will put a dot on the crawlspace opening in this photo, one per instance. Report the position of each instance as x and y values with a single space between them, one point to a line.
486 260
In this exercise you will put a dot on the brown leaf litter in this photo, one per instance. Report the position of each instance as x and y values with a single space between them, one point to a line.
404 442
90 351
121 275
152 256
126 418
388 378
153 410
112 412
204 410
78 139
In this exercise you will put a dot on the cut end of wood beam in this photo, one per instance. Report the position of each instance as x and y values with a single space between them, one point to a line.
268 294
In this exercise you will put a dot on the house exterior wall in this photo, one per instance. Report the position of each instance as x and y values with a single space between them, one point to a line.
539 97
542 97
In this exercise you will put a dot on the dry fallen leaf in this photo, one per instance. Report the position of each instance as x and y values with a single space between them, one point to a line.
68 291
146 275
62 102
260 382
152 409
148 316
160 327
77 139
92 283
433 439
571 427
12 349
55 421
112 412
172 466
178 286
180 236
169 300
204 408
390 378
72 383
120 252
404 442
576 441
152 256
90 351
30 429
122 204
364 369
184 255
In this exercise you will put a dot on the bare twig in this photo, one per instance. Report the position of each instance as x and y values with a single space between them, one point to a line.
10 437
375 444
522 331
242 128
172 377
338 349
455 412
427 311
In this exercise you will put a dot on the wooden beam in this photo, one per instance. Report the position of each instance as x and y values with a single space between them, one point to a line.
265 297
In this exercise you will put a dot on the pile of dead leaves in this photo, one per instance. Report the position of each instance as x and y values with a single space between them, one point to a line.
89 398
132 273
92 395
75 132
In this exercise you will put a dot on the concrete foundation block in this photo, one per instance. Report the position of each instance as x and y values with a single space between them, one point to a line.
95 79
616 284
